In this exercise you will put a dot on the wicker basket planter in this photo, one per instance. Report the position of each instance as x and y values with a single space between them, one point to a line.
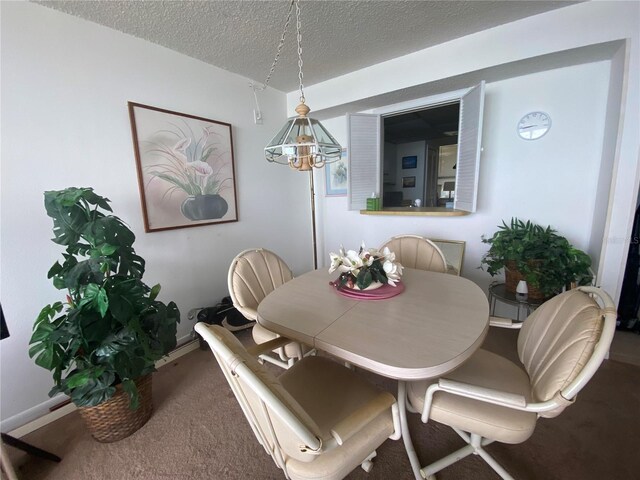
513 276
113 420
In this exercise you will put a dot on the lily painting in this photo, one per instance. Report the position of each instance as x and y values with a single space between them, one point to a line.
185 168
336 176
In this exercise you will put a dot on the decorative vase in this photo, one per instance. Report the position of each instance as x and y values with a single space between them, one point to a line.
522 287
113 420
204 207
513 277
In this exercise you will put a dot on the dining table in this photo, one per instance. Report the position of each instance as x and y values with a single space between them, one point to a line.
431 325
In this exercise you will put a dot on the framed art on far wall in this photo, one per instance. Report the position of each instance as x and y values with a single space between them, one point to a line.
409 162
408 182
185 168
336 176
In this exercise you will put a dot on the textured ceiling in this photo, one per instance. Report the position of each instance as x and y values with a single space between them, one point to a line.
338 36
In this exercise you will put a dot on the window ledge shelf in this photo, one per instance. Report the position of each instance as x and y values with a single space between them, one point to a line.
417 212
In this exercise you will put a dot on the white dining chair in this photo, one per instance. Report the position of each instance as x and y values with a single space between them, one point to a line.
490 398
317 420
414 251
253 274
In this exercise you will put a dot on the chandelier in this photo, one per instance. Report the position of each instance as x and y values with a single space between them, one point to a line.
302 143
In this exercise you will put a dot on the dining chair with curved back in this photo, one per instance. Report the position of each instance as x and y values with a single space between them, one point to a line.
253 274
316 420
490 398
414 251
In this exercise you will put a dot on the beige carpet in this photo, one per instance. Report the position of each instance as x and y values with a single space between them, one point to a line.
198 432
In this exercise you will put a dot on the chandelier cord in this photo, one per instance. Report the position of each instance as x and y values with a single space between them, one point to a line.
299 40
279 51
280 45
302 143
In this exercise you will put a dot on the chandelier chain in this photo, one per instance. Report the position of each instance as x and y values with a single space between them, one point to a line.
280 45
299 39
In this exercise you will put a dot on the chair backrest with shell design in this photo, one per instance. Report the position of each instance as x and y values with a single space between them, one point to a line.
254 274
414 251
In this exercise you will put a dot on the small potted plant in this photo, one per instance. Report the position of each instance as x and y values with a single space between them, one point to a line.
538 255
102 342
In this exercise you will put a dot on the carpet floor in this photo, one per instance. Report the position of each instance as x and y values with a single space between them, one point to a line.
198 431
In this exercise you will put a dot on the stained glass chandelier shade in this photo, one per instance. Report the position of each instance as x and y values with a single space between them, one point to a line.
302 143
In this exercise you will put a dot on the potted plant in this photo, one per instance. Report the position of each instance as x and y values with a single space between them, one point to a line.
102 342
538 255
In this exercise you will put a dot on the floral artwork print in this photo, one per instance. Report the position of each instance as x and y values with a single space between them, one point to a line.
185 168
190 162
336 176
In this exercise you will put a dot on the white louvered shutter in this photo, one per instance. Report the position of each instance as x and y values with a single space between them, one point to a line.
363 132
469 138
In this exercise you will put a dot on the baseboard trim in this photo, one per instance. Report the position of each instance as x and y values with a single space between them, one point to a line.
41 421
190 346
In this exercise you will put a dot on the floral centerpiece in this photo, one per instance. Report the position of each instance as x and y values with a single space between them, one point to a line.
366 268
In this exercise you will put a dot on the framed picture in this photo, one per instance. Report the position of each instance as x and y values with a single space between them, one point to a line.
335 175
409 162
185 168
408 182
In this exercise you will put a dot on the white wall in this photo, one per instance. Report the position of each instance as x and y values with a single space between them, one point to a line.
65 87
585 24
550 181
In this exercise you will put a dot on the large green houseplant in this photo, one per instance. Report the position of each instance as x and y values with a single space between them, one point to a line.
111 329
546 260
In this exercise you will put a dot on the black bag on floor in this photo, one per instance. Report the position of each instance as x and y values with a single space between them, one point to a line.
225 315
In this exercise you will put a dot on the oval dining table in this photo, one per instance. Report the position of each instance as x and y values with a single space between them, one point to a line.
436 323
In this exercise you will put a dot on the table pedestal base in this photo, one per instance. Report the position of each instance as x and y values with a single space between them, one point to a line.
406 435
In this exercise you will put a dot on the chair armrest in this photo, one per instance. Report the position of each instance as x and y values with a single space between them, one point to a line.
504 323
351 425
484 394
265 347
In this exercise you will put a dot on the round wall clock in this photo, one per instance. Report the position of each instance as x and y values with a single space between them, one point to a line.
534 125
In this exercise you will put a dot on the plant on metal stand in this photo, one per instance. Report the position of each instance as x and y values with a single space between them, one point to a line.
546 260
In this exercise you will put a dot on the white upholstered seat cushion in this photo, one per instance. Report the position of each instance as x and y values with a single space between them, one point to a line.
328 392
484 369
557 340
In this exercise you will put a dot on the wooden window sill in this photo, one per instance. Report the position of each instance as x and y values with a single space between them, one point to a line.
417 212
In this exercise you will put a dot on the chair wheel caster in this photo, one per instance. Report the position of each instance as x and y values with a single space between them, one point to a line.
367 464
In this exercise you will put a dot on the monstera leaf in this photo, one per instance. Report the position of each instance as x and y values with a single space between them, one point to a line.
111 329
